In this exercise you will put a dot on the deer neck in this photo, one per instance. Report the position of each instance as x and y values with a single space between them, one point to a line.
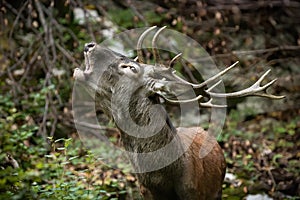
144 125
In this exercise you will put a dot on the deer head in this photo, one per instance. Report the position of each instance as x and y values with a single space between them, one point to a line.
105 68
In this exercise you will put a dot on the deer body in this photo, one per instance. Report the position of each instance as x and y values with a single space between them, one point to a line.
127 90
189 177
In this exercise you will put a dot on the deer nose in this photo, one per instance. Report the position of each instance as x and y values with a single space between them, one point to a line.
89 46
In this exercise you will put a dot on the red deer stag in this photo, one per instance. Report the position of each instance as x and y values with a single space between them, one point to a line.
122 85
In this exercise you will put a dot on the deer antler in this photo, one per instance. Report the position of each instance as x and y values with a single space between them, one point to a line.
172 62
254 90
154 48
140 57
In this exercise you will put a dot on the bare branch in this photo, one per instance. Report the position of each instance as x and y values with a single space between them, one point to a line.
95 126
41 16
250 5
260 51
16 20
137 13
251 52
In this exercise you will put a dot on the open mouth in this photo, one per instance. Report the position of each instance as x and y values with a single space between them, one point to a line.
87 61
80 74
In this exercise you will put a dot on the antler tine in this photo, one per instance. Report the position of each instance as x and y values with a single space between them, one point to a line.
183 100
140 57
211 79
207 104
254 90
221 73
154 48
172 62
213 86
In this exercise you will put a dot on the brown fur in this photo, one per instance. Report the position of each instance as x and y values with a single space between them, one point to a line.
196 178
210 170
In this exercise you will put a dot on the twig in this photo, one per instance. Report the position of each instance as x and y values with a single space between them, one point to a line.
189 73
42 129
95 126
50 32
15 87
20 60
108 16
66 53
248 52
15 23
254 5
86 19
61 28
12 9
137 13
279 60
268 169
28 66
260 51
54 123
42 16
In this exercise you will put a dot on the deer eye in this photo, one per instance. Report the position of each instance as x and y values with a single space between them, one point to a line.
133 69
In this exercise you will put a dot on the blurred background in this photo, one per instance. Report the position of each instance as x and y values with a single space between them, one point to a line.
41 43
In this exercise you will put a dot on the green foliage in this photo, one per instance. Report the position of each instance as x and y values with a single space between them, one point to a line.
45 172
152 17
122 16
16 134
231 193
258 146
127 19
54 175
